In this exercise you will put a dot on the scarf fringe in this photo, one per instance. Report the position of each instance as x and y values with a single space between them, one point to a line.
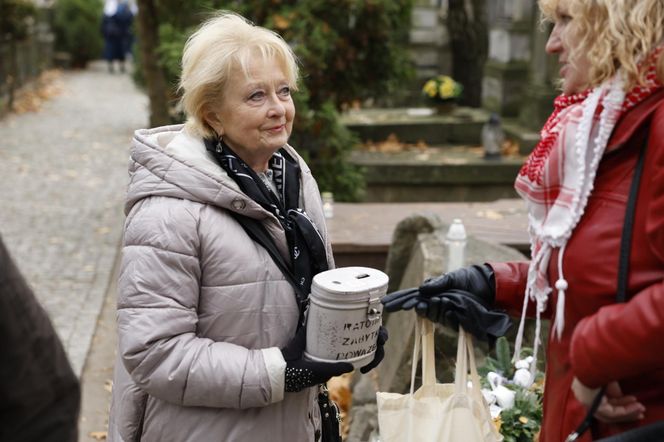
611 96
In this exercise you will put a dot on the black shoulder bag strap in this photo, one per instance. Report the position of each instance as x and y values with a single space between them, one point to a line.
257 232
623 273
330 417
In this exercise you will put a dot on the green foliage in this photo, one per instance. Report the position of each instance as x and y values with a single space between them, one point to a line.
503 357
170 50
522 422
349 50
327 144
77 26
15 18
501 363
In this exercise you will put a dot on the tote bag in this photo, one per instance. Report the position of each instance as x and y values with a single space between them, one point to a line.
437 412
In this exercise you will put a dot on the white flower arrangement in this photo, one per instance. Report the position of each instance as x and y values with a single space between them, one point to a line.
514 394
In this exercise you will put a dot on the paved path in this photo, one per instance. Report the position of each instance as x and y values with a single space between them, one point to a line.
63 175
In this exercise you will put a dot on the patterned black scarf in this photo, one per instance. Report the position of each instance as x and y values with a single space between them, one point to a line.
306 246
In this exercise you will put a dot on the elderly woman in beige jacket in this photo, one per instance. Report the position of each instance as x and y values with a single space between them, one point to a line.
208 349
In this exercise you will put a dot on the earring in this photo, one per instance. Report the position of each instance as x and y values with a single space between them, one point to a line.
218 147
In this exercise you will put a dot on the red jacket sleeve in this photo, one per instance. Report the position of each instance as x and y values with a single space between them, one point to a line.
625 340
620 340
511 286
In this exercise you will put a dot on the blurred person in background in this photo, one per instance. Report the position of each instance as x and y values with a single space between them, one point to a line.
210 337
39 392
116 28
576 184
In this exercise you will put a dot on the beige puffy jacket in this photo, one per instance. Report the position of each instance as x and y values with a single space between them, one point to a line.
203 309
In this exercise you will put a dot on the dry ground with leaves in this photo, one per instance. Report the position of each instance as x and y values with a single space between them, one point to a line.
32 96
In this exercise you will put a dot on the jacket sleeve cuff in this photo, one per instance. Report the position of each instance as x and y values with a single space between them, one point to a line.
510 278
276 370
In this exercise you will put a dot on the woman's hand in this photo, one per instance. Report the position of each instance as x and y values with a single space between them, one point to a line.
380 351
614 407
303 373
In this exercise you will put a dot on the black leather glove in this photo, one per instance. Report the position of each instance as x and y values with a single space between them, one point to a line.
404 299
302 373
456 308
380 351
477 279
462 297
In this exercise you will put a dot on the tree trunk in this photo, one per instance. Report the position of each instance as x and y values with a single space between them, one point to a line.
469 38
148 33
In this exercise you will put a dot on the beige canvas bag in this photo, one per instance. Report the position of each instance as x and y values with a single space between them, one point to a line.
437 412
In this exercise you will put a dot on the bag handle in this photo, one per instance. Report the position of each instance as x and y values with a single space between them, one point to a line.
461 371
424 338
428 354
623 272
465 361
465 366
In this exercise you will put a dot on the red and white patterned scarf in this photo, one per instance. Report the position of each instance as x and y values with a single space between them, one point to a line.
557 178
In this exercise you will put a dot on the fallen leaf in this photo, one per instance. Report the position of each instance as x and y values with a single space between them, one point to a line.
99 435
489 214
281 22
509 148
492 214
340 392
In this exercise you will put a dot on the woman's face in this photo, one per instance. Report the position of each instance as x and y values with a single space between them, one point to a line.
573 72
255 115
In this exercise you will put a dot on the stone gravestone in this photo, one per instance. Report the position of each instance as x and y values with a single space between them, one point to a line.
506 71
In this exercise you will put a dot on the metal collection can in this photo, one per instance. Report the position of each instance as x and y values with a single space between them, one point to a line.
344 315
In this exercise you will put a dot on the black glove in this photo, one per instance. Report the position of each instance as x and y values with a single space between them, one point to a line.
401 299
478 280
456 308
302 373
380 351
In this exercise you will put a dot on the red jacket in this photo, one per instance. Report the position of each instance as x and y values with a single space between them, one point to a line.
604 341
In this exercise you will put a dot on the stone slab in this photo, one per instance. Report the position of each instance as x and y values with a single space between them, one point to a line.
425 17
453 173
506 46
360 228
451 165
461 126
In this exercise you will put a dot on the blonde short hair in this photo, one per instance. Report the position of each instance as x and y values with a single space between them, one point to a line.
221 44
614 34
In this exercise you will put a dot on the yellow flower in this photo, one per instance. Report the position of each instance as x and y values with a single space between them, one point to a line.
441 87
430 88
446 89
497 422
523 420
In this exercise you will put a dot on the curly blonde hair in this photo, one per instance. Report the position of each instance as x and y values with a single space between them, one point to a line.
221 44
614 34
